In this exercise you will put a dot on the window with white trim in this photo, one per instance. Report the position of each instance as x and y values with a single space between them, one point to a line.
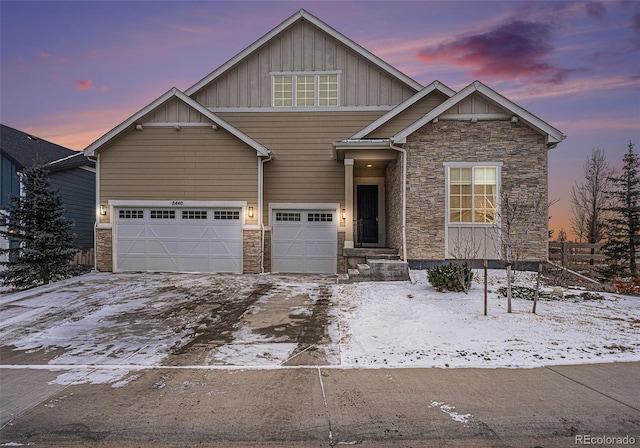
194 214
131 214
473 194
283 216
320 217
305 90
226 215
163 214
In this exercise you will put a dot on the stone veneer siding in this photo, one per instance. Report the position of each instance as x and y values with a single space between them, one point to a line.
524 171
251 251
104 250
393 205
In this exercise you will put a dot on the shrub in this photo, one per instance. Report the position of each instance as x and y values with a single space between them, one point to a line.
451 277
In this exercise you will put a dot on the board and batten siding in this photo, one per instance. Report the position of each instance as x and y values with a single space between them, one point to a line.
303 48
175 111
193 164
303 168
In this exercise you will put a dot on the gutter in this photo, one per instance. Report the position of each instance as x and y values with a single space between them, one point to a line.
404 198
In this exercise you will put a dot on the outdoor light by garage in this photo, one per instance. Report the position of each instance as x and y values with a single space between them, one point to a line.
103 210
250 212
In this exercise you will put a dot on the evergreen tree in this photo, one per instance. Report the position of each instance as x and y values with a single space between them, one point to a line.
41 240
623 226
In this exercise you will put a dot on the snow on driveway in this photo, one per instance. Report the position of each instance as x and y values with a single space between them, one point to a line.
99 327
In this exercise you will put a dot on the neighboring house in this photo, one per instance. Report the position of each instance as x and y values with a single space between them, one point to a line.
70 171
306 144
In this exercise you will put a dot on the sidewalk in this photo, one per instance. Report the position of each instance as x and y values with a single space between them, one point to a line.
325 406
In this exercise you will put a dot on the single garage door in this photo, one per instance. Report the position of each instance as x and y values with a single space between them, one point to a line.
178 240
304 241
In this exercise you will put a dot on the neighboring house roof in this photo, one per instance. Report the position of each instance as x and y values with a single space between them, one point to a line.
436 85
553 135
76 160
174 93
297 17
25 149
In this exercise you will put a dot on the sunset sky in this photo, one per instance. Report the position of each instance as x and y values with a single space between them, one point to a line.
72 71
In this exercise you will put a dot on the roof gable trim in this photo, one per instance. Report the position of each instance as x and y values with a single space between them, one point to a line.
554 135
304 15
436 85
174 93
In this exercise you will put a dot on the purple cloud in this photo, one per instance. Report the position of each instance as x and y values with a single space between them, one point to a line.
595 10
513 49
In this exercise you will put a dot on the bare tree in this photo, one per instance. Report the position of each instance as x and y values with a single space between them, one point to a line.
589 200
520 213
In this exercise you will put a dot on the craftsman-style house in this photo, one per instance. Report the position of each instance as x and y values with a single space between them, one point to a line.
304 148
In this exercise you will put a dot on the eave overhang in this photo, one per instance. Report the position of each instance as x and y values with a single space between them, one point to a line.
132 121
553 135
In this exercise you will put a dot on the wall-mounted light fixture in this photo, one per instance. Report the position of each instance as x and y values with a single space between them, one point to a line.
344 213
250 212
103 210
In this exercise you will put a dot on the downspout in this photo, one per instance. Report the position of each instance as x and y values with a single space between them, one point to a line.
97 208
404 198
261 162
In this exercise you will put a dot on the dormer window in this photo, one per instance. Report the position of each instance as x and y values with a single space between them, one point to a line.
305 89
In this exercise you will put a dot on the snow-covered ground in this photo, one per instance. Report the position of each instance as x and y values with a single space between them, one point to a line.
99 327
413 325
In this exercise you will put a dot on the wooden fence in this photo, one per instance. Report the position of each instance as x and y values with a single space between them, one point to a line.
577 256
85 257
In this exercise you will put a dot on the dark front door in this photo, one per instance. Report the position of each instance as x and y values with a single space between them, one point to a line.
367 202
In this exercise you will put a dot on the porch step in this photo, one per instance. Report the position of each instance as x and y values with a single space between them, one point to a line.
378 270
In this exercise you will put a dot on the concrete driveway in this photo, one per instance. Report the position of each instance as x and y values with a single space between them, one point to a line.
145 360
170 319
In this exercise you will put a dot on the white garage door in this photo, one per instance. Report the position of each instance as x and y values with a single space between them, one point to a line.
178 240
304 241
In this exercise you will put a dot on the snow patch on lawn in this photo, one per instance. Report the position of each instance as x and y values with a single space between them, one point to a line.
413 325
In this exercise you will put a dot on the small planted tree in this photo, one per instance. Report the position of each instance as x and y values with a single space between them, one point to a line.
519 214
41 241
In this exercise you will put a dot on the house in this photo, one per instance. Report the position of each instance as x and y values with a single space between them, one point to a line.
304 149
69 171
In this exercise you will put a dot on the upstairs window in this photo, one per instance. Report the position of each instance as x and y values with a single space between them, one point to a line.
305 90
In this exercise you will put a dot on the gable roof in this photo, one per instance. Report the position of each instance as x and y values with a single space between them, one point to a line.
295 18
25 149
174 93
436 85
554 136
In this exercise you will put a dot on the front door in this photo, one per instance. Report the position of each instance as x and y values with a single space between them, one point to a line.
367 204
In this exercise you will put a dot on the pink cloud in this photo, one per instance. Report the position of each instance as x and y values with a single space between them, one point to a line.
83 84
104 89
514 49
45 55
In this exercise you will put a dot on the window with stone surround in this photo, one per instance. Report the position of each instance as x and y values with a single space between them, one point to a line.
472 193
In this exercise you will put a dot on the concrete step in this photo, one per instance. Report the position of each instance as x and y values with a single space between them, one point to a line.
383 257
378 271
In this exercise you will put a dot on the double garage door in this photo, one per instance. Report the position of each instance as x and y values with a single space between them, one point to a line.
179 239
304 241
210 240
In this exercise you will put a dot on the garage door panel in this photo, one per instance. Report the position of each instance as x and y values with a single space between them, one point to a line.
162 264
159 247
304 241
176 240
